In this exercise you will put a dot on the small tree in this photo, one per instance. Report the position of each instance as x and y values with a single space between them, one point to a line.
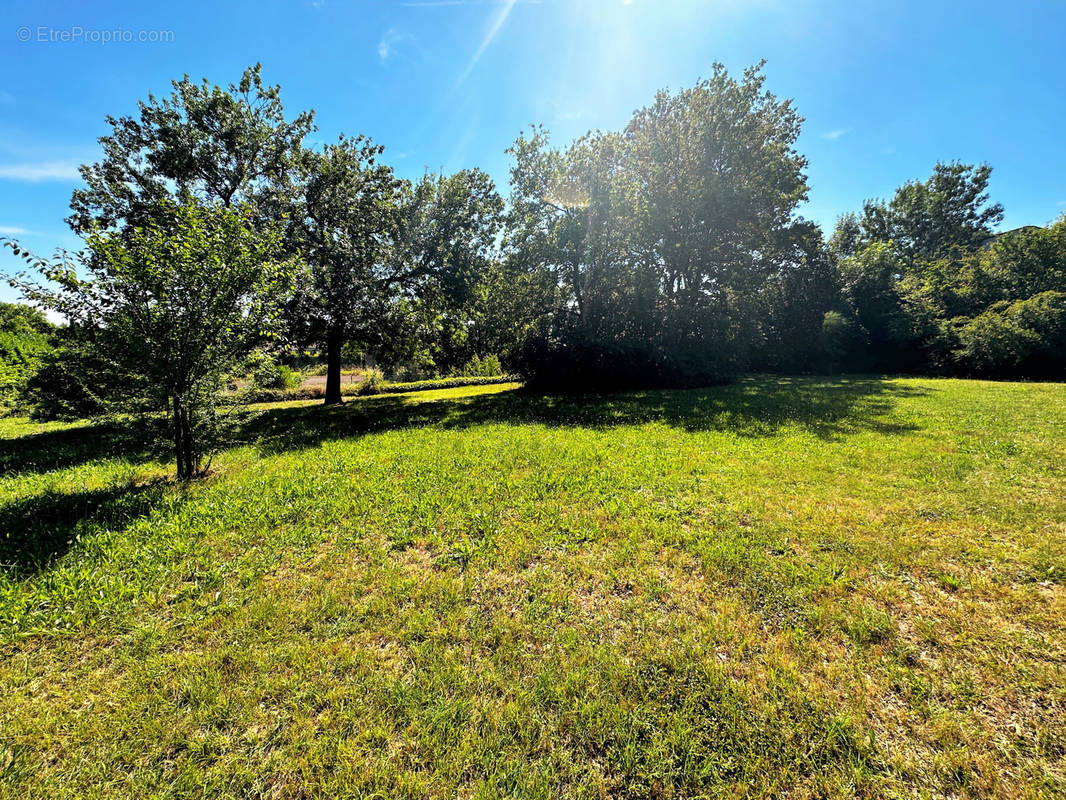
172 307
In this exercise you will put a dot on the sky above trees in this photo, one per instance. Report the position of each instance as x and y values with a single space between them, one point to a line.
886 89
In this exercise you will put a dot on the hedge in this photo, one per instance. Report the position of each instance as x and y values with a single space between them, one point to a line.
256 395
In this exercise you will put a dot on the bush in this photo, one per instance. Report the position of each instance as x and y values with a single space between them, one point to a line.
371 383
25 341
70 384
576 362
254 395
841 341
1026 338
268 374
443 383
478 367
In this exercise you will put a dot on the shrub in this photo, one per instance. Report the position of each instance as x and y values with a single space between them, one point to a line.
268 374
1026 338
254 395
70 384
25 341
842 341
574 361
371 383
478 367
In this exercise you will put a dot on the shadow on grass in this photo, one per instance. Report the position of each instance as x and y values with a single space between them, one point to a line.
758 406
827 407
70 447
34 531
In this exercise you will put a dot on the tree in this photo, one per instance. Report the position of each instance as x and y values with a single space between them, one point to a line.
447 247
229 146
170 308
662 239
345 221
796 301
928 219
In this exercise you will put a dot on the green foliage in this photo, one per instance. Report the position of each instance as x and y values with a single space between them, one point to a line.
221 145
378 387
344 219
371 383
1024 338
971 310
478 367
930 219
840 340
167 312
73 382
269 374
661 242
26 339
447 253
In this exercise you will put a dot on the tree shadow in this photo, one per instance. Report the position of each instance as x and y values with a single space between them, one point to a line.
757 406
71 447
829 408
36 530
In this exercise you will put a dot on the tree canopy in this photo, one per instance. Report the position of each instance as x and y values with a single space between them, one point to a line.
670 252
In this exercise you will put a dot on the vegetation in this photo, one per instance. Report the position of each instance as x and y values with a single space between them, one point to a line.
26 338
668 254
168 311
368 385
785 586
452 585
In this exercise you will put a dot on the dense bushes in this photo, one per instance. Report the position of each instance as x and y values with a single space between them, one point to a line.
25 341
1026 338
994 311
269 374
574 360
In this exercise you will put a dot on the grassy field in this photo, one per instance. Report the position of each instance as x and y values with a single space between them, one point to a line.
785 587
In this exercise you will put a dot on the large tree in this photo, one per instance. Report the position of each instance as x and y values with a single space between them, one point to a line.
448 257
662 239
929 219
345 219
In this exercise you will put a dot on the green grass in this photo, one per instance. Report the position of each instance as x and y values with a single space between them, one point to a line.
786 587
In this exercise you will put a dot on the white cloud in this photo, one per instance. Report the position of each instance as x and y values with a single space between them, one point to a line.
837 133
12 230
390 43
38 171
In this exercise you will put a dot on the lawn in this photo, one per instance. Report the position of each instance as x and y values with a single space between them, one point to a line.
784 587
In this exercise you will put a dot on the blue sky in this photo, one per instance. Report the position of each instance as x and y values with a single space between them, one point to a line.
886 88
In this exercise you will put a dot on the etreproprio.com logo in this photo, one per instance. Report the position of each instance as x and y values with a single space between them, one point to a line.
76 34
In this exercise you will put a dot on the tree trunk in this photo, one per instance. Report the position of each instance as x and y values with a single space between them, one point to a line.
334 343
184 447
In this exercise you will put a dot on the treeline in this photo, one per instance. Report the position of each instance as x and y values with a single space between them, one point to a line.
668 253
